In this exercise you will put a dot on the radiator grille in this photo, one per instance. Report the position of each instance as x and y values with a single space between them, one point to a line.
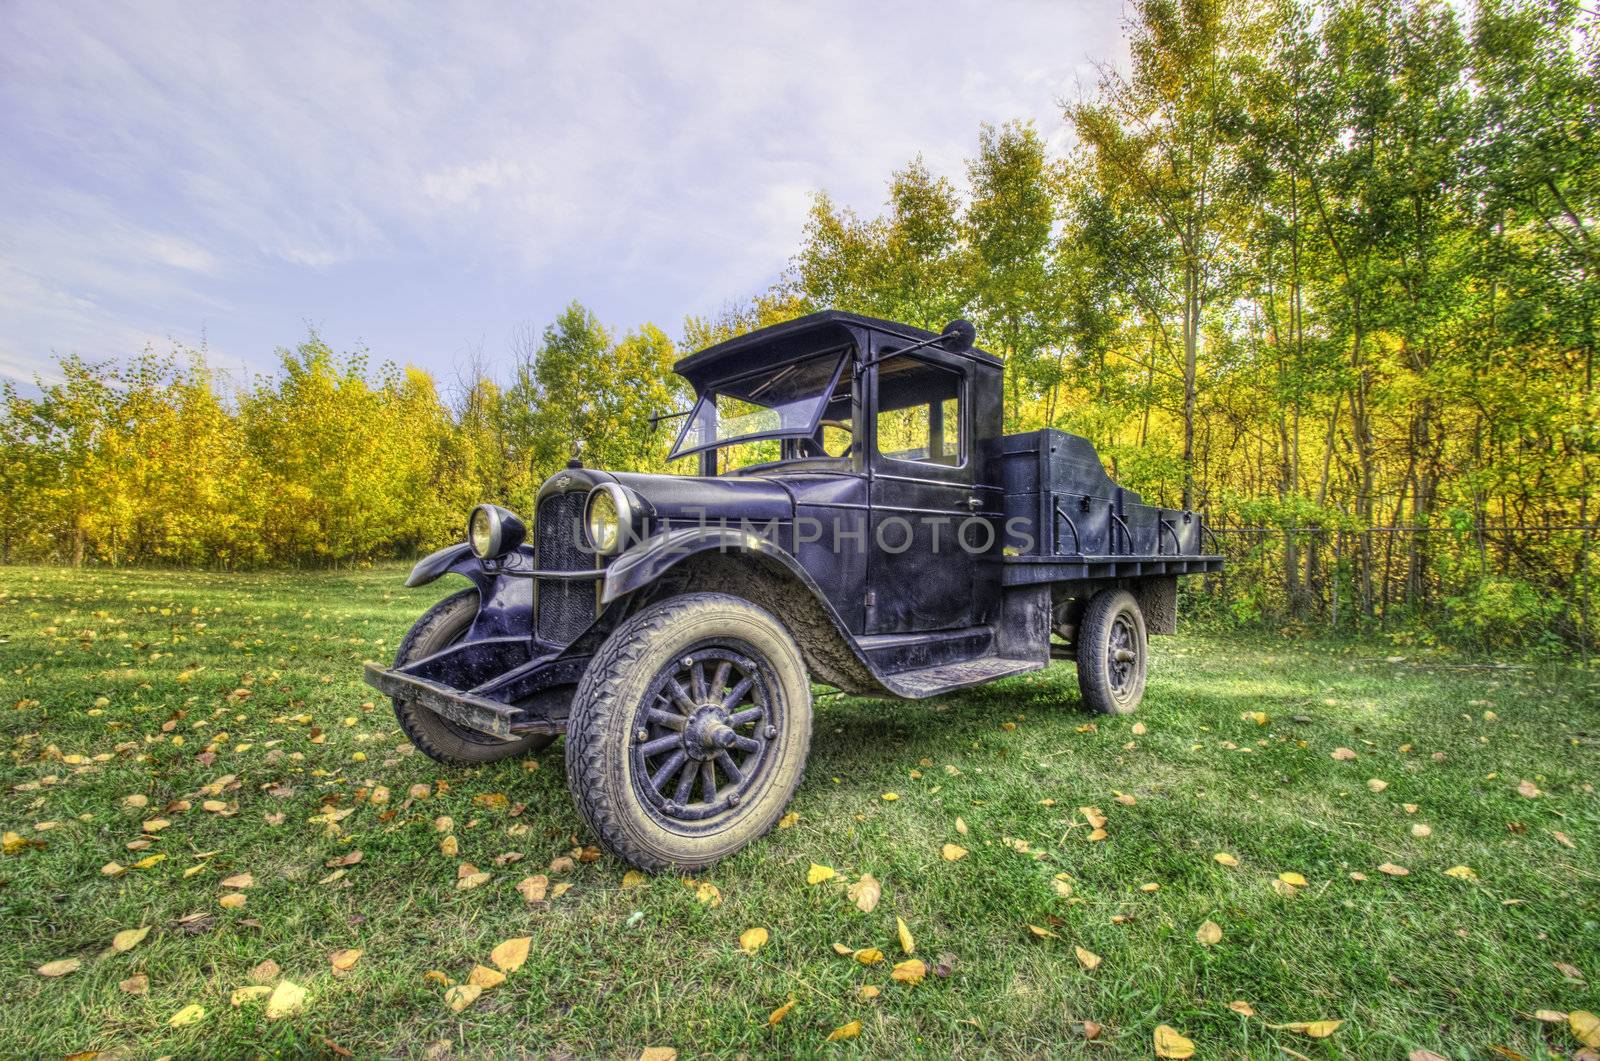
565 608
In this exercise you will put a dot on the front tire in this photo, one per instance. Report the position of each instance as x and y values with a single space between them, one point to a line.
689 732
1113 653
440 739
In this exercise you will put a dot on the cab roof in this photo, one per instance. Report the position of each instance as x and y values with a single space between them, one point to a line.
780 342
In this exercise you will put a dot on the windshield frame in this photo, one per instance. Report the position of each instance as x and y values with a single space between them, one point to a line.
846 352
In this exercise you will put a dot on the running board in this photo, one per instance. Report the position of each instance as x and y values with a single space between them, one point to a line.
948 677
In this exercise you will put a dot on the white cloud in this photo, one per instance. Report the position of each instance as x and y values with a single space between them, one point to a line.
246 167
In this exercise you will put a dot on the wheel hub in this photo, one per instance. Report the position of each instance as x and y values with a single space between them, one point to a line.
708 733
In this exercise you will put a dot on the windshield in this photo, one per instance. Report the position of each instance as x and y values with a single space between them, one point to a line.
786 401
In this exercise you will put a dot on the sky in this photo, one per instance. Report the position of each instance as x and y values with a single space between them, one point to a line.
426 180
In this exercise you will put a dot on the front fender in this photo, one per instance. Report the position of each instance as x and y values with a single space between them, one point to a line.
505 606
649 560
457 558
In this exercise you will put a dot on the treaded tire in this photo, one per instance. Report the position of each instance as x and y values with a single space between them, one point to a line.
617 686
1110 688
440 739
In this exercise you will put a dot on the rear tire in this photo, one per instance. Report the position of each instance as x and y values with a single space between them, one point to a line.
440 739
689 732
1113 652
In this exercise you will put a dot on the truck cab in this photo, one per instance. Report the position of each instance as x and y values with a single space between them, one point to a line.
857 518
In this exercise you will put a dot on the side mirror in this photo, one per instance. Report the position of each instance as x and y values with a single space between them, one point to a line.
958 336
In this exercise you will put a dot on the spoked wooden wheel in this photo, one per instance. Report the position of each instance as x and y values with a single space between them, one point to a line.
704 733
689 732
1113 653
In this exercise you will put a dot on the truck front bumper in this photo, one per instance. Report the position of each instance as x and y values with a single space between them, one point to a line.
477 713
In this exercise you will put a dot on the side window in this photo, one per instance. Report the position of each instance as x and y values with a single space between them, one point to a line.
919 412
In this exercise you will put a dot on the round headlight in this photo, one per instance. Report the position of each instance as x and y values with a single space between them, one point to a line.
492 532
609 518
483 531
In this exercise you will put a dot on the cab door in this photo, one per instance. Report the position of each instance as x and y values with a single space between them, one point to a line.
930 523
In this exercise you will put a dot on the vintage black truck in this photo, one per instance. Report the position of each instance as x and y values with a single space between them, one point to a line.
859 519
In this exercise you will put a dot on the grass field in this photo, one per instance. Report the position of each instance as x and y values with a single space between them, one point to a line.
244 691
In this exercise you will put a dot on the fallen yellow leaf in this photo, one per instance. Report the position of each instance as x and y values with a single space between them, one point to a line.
817 874
288 998
1243 1008
533 888
472 880
868 955
509 955
1316 1029
867 992
890 797
1293 879
752 940
706 894
138 984
865 893
344 960
1086 958
631 880
60 967
461 996
1209 934
239 880
907 943
909 972
961 827
1393 870
187 1015
1042 933
128 939
450 846
845 1031
658 1053
1223 858
788 821
248 994
776 1016
1460 872
1170 1044
484 977
953 852
1585 1027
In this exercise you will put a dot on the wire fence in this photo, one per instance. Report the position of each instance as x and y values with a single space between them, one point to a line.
1486 586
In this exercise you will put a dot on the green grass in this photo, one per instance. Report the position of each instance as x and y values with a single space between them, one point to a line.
1426 960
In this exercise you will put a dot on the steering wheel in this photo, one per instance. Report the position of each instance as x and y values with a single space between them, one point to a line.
840 425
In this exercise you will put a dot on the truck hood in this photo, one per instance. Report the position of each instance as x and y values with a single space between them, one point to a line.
693 498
